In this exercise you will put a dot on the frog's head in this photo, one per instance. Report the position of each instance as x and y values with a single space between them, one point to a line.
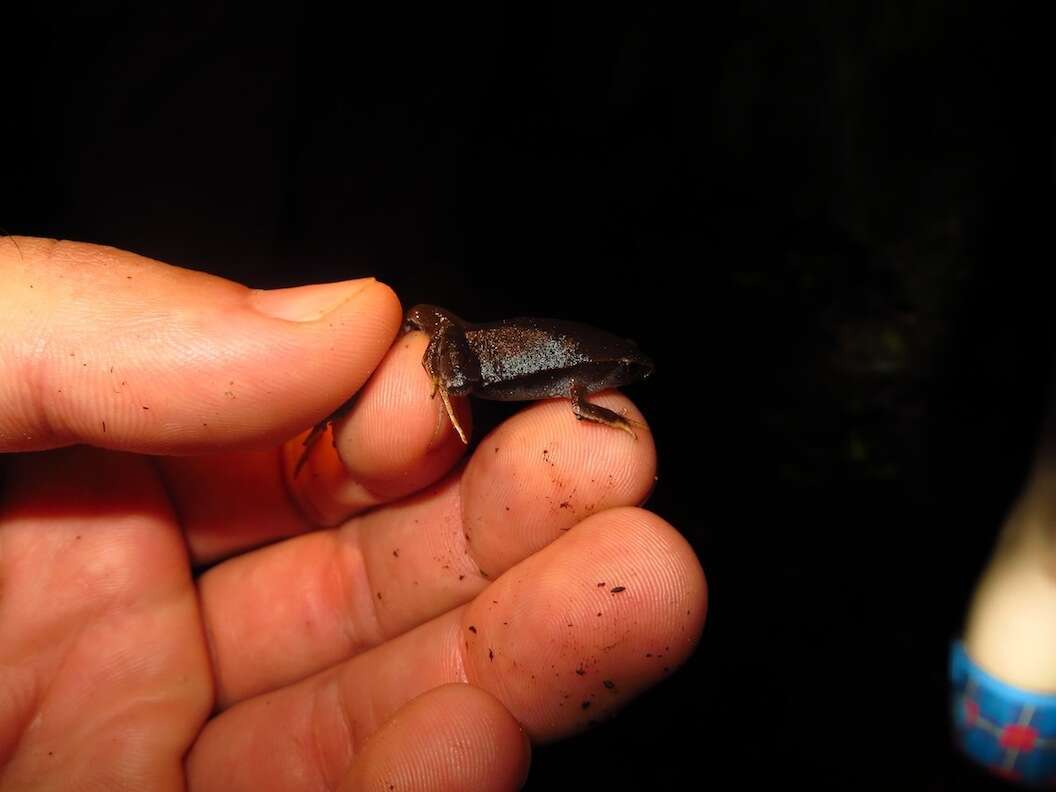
427 318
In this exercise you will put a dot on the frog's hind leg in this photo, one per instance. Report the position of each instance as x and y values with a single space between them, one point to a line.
317 432
309 441
585 411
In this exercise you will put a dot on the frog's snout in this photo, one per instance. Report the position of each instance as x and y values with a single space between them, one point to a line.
639 367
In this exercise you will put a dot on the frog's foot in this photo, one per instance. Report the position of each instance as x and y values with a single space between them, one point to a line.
309 441
585 411
452 416
317 432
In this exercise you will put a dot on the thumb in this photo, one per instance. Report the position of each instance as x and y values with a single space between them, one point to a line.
102 346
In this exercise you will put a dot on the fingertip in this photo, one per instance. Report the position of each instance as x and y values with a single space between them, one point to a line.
668 567
671 552
379 306
542 471
611 609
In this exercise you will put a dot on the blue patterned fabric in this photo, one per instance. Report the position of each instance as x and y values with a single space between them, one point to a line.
1012 732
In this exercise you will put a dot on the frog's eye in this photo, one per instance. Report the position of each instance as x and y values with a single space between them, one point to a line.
637 368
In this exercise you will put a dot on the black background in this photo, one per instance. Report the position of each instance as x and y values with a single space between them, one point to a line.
828 223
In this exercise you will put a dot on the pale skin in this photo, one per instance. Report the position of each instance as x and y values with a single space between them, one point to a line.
403 614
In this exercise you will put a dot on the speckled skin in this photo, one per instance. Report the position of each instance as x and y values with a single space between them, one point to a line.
526 359
523 359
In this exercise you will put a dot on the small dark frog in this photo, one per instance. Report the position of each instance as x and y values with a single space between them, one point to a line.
520 360
526 359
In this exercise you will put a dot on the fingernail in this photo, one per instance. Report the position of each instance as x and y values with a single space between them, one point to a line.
306 303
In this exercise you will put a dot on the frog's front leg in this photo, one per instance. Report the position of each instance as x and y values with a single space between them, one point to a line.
453 368
451 414
585 411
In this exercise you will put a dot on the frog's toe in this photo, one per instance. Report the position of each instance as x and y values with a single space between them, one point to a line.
452 416
622 422
585 411
627 425
309 441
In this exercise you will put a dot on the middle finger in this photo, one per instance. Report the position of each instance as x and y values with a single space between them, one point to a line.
287 611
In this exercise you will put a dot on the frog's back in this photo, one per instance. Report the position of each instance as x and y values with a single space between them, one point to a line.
526 359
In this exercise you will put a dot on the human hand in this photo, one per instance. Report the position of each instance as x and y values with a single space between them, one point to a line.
388 617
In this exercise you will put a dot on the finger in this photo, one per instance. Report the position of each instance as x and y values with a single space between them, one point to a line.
105 347
392 444
570 635
292 609
393 441
232 502
558 650
454 737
